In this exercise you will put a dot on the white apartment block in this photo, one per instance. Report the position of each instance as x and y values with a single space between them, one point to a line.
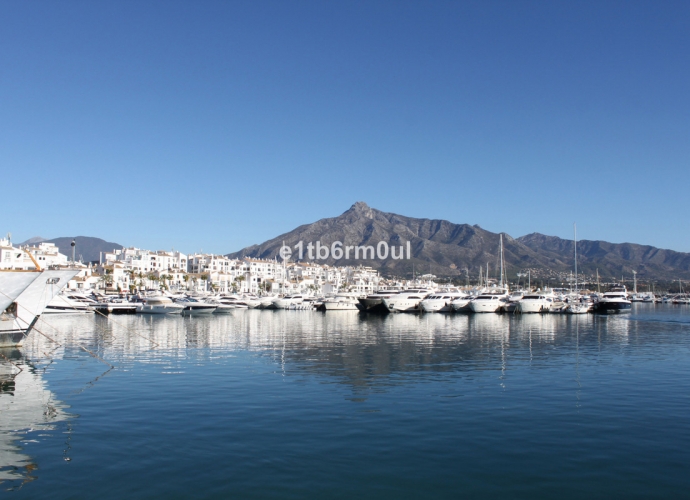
46 255
146 261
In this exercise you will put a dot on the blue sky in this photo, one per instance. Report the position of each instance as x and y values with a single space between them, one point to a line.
216 125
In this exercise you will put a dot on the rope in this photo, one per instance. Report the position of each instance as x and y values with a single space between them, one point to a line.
52 339
10 362
156 344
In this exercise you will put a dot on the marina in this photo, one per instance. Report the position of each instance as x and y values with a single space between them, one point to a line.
205 284
345 250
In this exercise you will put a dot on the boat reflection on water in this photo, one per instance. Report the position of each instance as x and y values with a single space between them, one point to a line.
27 410
357 348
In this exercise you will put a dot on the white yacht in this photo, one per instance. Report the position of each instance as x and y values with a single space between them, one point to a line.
266 301
223 305
342 302
613 301
374 302
491 300
287 301
495 298
232 302
514 300
441 302
254 302
536 302
14 282
20 315
71 303
159 305
192 306
406 301
462 304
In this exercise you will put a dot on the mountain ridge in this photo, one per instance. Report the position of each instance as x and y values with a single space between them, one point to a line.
449 249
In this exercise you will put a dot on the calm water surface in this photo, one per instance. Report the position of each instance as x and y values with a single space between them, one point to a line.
301 404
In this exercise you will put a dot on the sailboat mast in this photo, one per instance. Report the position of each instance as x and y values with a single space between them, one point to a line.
575 241
501 279
598 287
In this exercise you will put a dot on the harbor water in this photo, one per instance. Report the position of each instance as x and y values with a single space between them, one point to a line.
305 404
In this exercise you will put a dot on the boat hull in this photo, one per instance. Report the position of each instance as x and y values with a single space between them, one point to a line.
461 306
198 311
339 306
533 306
612 307
372 305
12 337
486 306
160 309
436 306
402 305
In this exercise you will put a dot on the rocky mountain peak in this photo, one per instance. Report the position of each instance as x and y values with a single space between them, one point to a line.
361 208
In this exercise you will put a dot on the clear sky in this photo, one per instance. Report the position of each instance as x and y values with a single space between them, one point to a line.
216 125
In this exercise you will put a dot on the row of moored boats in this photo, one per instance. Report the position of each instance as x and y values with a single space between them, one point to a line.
486 300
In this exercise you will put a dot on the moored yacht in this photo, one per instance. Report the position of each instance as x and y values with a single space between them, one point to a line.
71 303
613 301
536 302
232 302
20 316
287 301
406 301
462 304
491 300
192 306
441 302
12 283
514 300
159 304
374 302
342 302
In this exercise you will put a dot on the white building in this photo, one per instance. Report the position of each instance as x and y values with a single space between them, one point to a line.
48 255
45 254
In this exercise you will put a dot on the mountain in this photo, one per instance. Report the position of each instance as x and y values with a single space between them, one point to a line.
615 259
33 241
448 249
87 248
